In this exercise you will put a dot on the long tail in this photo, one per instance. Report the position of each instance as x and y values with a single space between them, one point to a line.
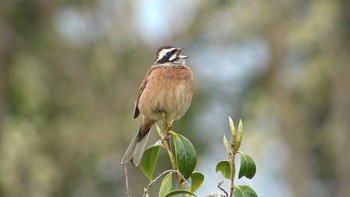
137 146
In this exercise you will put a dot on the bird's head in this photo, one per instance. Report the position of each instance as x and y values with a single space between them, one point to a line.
169 54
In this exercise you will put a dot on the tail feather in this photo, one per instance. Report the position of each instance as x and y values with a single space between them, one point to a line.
136 148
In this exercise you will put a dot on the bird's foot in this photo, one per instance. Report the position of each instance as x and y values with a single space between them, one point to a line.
166 137
170 126
165 120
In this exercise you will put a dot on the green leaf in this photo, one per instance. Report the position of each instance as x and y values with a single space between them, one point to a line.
225 168
247 167
167 185
197 180
179 192
149 160
244 191
185 155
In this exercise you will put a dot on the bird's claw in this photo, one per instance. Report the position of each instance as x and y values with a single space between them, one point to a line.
166 137
170 125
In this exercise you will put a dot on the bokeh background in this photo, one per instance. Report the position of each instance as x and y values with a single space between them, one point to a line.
70 71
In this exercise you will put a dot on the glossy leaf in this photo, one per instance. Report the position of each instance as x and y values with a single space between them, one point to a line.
225 168
247 167
175 192
185 155
149 160
197 180
244 191
167 185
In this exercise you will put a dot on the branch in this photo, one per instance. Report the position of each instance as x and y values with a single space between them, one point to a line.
233 172
127 194
162 174
219 186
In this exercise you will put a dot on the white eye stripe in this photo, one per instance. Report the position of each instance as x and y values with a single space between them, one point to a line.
163 53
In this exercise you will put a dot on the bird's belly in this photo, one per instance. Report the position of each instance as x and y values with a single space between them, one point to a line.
173 100
176 102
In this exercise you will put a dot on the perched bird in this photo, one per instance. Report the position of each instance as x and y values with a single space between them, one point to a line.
166 88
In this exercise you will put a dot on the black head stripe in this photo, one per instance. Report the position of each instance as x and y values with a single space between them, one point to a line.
166 57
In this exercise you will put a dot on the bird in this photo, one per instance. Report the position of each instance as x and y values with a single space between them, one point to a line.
167 88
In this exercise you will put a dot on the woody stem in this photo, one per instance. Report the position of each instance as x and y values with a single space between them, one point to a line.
166 140
233 172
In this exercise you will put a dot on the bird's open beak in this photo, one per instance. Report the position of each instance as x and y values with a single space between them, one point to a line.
178 54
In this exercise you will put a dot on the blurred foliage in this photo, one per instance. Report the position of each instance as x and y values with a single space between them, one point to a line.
70 70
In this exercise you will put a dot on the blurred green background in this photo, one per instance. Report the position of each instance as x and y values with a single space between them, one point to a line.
70 71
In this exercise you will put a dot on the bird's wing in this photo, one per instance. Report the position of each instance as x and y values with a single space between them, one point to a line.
141 89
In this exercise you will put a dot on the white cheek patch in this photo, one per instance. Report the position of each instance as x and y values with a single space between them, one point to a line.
173 57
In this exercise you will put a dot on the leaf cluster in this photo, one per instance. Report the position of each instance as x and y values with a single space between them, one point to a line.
247 165
185 159
182 179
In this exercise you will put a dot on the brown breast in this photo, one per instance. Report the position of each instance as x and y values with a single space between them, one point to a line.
169 88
